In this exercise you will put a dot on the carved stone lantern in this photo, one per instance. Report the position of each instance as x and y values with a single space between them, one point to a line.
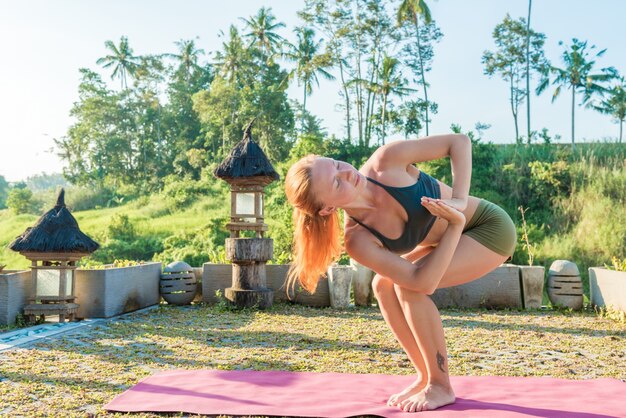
54 245
247 170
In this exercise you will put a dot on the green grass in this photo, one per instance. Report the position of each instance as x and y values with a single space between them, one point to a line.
75 374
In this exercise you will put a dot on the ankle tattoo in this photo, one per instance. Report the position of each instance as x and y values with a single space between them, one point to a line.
440 361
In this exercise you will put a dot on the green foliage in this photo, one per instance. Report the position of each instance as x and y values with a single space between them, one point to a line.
83 198
509 60
94 265
121 241
121 228
196 247
21 201
180 193
617 264
4 192
577 75
43 181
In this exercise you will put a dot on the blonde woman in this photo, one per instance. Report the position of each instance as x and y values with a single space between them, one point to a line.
417 233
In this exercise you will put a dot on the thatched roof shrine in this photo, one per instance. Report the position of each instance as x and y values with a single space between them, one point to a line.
55 232
246 159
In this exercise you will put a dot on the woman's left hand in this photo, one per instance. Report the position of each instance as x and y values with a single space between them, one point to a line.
441 209
458 204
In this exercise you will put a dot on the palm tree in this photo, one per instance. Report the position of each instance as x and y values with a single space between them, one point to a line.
262 31
410 11
309 62
187 56
121 59
231 60
390 82
614 104
577 75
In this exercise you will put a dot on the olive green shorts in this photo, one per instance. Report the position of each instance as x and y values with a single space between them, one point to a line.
493 228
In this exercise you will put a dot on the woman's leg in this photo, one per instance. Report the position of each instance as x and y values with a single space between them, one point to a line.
471 260
394 316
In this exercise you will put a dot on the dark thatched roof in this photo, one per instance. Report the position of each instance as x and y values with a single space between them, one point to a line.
246 159
55 232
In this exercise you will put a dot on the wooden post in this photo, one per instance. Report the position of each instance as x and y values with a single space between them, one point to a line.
249 281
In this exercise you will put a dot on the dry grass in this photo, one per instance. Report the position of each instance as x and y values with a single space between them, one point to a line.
76 374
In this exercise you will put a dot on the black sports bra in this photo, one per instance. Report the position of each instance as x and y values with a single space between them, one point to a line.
420 220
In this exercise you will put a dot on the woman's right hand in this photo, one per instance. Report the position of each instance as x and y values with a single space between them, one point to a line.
441 209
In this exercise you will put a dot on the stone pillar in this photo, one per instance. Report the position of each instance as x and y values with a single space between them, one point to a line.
565 287
249 282
362 284
339 281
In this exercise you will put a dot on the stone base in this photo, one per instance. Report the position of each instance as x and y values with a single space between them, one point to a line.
261 298
64 310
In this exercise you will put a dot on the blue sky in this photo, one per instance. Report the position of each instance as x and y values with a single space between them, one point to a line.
44 43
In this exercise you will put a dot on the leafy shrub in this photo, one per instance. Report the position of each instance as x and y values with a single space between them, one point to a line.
181 193
82 198
21 200
120 228
196 247
617 264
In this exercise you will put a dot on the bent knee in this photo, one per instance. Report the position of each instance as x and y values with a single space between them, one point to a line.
381 284
410 295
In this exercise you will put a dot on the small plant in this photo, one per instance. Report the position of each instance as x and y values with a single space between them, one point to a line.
612 314
527 245
616 264
2 266
94 265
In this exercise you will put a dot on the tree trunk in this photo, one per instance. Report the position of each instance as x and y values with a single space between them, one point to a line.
573 103
514 112
345 91
621 123
528 72
419 54
384 114
371 100
303 111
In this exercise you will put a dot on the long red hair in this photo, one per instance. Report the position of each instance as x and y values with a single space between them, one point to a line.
316 238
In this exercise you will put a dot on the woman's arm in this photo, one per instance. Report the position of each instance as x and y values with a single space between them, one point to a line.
457 146
426 277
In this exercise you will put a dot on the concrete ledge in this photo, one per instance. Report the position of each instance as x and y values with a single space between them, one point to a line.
607 288
219 277
109 292
498 289
15 287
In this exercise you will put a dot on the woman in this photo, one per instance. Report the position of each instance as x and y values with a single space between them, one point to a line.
444 238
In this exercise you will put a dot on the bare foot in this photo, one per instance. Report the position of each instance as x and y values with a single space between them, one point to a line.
410 390
431 397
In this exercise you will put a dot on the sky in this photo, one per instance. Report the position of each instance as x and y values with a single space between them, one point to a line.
44 43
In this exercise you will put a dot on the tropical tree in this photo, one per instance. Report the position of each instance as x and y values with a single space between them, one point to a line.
310 62
121 60
334 21
233 58
410 11
262 32
187 57
358 33
578 75
390 82
181 125
509 60
614 104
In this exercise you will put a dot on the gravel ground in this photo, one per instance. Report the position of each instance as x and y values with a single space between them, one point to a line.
77 373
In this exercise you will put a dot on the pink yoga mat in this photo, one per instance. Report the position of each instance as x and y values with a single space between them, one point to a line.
246 392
